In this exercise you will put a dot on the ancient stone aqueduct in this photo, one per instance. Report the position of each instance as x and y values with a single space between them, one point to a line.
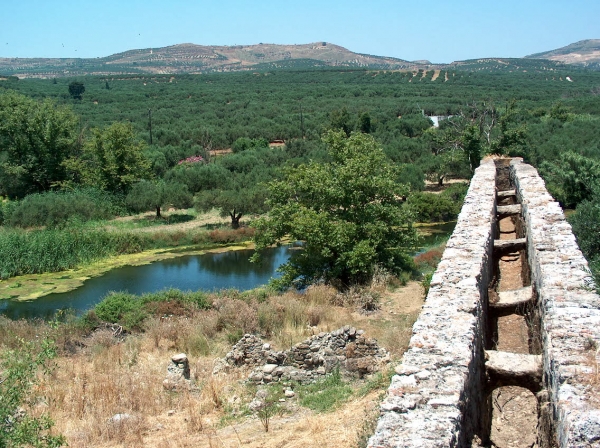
441 394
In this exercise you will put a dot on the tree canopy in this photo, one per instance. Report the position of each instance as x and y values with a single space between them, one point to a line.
148 195
76 89
111 160
347 213
35 139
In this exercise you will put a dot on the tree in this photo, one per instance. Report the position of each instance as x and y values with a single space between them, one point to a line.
347 212
245 143
35 139
586 227
572 178
76 90
340 119
112 160
147 195
364 123
235 202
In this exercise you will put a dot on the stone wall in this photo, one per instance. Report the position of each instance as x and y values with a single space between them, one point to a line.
346 349
436 398
570 315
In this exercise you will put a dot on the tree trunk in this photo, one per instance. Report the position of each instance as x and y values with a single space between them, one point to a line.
158 212
235 219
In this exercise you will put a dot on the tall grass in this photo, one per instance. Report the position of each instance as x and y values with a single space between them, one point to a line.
56 250
53 250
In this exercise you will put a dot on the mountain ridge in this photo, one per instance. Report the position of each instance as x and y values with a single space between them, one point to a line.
191 58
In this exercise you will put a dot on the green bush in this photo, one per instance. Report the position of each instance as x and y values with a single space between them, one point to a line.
586 227
430 207
131 310
55 208
19 376
115 306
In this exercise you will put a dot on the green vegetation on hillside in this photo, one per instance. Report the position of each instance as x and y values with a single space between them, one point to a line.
131 129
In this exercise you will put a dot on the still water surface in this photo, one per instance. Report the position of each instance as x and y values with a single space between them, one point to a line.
208 272
192 272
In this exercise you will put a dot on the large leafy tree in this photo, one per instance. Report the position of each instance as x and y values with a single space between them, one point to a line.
347 213
76 89
35 139
112 160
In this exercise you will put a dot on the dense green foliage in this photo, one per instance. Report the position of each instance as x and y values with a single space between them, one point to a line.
35 139
347 212
58 208
513 107
148 195
18 376
572 178
431 207
112 160
586 226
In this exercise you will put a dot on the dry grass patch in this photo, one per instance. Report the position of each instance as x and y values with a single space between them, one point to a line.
109 393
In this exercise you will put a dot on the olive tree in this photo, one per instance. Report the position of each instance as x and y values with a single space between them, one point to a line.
347 212
147 195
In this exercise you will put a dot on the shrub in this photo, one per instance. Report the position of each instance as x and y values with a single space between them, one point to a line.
131 311
19 376
56 208
115 306
430 207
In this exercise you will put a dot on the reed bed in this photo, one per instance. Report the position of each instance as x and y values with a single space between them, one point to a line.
53 250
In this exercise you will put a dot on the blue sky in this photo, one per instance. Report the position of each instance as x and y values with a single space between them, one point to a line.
440 31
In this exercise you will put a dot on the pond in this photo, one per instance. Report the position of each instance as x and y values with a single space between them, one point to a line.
210 272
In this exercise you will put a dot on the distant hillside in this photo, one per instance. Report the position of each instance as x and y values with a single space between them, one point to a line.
191 58
585 53
509 65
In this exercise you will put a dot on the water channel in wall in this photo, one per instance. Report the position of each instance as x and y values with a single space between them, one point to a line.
209 272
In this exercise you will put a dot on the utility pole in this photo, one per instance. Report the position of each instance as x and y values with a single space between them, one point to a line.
301 121
150 123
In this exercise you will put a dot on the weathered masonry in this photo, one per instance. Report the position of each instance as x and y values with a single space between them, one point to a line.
512 267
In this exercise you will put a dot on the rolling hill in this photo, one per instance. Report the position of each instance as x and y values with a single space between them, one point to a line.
585 53
191 58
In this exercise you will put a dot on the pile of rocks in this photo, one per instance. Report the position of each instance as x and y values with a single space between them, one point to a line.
178 373
346 348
